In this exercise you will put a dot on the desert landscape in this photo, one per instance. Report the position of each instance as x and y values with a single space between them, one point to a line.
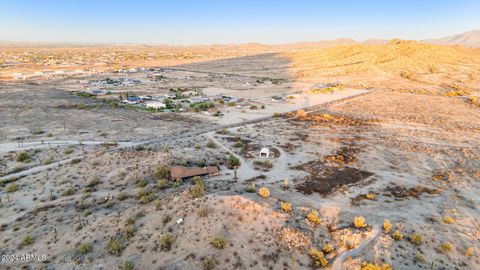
334 154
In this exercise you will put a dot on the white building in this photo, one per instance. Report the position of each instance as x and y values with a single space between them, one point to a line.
265 152
155 105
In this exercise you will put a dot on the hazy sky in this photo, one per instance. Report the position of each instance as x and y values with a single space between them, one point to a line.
232 21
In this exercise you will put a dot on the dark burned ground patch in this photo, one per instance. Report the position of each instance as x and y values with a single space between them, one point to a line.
402 192
331 174
330 179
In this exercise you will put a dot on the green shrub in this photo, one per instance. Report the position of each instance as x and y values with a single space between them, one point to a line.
208 263
26 241
162 172
84 248
166 242
69 192
198 189
162 183
233 161
22 157
126 265
113 247
211 144
251 188
12 188
128 232
218 242
318 258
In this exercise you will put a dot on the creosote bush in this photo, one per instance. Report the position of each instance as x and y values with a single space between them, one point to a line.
26 241
446 247
113 247
251 188
198 190
211 144
162 183
318 258
22 157
372 266
69 192
387 225
128 232
415 239
126 265
208 263
314 218
264 192
397 235
448 220
84 248
162 172
327 248
218 242
166 242
359 222
286 206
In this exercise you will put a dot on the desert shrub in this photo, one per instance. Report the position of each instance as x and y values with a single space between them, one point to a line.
318 258
68 151
130 220
113 247
12 188
251 188
162 172
448 220
253 107
166 242
203 211
208 263
314 218
128 232
285 183
47 160
211 144
198 190
122 195
233 161
327 248
470 251
397 235
162 183
22 157
157 204
264 192
371 196
93 182
446 247
374 266
84 248
419 257
142 183
126 265
286 206
238 144
387 225
415 239
166 219
359 222
75 161
147 198
277 114
26 240
301 113
69 192
218 242
407 75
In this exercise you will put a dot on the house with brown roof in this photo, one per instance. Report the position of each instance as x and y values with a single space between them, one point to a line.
182 172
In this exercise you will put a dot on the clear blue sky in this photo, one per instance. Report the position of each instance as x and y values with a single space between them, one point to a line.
232 21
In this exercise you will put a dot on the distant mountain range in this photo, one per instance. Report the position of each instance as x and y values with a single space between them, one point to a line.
467 39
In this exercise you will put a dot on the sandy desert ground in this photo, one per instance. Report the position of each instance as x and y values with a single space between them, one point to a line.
384 173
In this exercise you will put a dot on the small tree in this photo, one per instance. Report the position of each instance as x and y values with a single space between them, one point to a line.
233 161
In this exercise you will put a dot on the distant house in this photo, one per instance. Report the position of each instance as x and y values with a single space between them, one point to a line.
155 105
181 172
197 99
265 152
